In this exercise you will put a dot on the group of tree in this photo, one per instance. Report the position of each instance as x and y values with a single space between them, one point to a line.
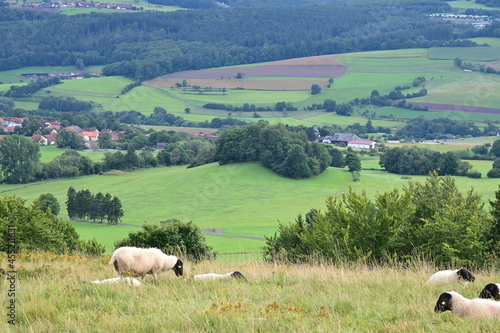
421 161
29 227
431 220
83 205
286 151
29 89
174 237
421 128
475 67
64 104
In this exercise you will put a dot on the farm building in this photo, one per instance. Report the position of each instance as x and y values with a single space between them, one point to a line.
361 144
339 138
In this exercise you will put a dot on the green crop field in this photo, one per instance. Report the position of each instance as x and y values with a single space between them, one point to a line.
52 294
465 4
465 53
242 199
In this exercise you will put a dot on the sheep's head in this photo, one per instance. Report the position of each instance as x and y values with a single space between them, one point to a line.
444 303
178 268
238 275
490 291
466 275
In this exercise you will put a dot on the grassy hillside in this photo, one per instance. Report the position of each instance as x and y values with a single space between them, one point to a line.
51 296
242 199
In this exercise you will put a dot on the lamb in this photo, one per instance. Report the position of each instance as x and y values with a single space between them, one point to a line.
464 307
214 276
128 280
141 261
451 276
491 290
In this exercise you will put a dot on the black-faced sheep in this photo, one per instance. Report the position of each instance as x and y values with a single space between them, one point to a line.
491 290
464 307
451 276
139 262
214 276
127 280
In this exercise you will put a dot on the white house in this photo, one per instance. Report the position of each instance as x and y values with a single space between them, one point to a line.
361 144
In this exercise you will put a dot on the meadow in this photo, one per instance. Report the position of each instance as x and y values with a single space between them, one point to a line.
244 200
274 298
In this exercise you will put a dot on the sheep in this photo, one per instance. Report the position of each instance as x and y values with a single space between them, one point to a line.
141 261
214 276
128 280
491 290
451 276
464 307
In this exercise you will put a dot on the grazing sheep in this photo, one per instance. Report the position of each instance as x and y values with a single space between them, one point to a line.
464 307
140 262
491 290
128 280
214 276
451 276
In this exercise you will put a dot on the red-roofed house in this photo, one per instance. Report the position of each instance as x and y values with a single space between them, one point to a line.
361 144
40 139
90 135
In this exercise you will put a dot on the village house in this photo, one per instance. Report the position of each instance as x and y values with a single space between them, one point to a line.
362 144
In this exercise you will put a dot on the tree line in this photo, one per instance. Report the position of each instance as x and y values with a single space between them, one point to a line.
83 205
145 45
30 88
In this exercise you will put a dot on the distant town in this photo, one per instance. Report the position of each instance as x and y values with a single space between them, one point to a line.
78 4
62 76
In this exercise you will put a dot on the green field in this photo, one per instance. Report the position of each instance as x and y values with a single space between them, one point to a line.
242 199
465 4
465 53
52 294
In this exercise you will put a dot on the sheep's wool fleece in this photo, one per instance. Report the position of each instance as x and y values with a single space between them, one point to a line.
446 276
474 308
142 261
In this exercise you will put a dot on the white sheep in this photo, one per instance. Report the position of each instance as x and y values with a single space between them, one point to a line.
140 261
464 307
127 280
451 276
214 276
491 290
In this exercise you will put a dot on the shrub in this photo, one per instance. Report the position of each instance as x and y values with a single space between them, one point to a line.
493 173
474 174
175 238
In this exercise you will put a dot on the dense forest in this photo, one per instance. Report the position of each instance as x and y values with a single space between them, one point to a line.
145 45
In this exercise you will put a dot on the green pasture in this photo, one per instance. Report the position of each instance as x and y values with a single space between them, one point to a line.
241 96
464 4
487 40
478 118
49 153
471 89
242 199
480 53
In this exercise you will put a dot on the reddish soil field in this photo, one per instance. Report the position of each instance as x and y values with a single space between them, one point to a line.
269 76
494 64
457 108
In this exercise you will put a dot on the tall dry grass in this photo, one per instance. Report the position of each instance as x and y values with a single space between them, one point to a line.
52 296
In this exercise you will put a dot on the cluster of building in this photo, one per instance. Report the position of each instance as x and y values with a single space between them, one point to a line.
62 76
90 136
80 4
479 21
348 140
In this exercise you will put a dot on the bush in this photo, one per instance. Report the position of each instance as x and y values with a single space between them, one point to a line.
493 173
432 219
474 174
36 230
175 238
